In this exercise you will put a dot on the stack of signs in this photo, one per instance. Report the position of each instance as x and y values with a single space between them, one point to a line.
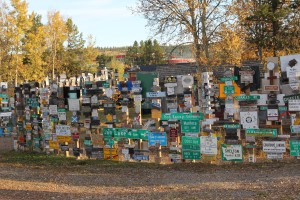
232 152
175 152
191 148
274 149
170 84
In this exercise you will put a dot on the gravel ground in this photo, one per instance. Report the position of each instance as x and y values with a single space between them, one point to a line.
180 181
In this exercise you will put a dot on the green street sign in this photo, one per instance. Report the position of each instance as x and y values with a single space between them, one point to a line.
32 102
190 147
232 152
191 155
108 132
291 97
263 108
120 132
228 89
233 78
133 134
261 132
190 140
282 108
247 97
232 126
182 116
143 134
105 85
190 126
295 147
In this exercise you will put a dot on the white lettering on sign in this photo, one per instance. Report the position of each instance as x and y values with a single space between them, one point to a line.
62 130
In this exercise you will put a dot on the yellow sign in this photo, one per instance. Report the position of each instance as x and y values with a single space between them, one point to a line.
237 90
53 145
114 153
64 138
109 117
155 114
28 127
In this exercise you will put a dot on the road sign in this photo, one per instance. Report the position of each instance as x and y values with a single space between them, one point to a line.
229 89
105 85
233 78
295 147
295 128
182 116
157 138
190 126
291 97
191 148
232 126
232 152
247 97
261 132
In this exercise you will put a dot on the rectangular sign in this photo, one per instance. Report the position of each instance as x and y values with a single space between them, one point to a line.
62 130
247 97
274 146
275 156
182 116
295 128
191 148
291 97
208 145
232 126
225 79
271 87
295 147
157 138
232 152
261 132
294 105
190 126
155 94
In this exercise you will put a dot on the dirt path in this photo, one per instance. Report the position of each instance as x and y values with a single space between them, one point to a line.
184 181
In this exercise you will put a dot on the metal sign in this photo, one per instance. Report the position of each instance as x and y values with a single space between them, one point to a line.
261 132
191 148
271 88
274 146
232 126
295 128
249 119
157 138
209 145
229 89
247 97
295 147
291 97
225 79
155 94
232 152
294 105
190 126
275 156
182 116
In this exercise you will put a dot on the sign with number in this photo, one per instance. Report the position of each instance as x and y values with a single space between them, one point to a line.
182 116
261 132
157 138
191 148
229 89
295 147
190 126
232 152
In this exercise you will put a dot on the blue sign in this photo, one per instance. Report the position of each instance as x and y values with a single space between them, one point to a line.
140 157
155 138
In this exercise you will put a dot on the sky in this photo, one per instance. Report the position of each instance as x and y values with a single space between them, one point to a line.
110 22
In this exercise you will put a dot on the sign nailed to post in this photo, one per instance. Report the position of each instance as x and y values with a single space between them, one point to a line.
157 138
261 132
182 116
232 152
191 148
190 126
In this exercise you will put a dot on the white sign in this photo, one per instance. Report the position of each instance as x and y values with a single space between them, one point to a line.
272 114
232 152
53 109
94 99
62 116
275 156
73 104
249 119
284 61
295 128
137 97
294 105
62 130
155 94
274 146
187 81
209 145
5 114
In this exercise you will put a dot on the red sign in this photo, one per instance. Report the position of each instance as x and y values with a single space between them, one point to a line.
173 133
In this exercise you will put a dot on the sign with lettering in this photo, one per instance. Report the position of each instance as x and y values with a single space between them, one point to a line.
209 145
62 130
191 148
225 79
294 105
155 138
274 146
291 97
295 147
182 116
232 152
261 132
247 97
190 126
155 94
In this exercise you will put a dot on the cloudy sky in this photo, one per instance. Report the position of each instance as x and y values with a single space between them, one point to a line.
109 21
